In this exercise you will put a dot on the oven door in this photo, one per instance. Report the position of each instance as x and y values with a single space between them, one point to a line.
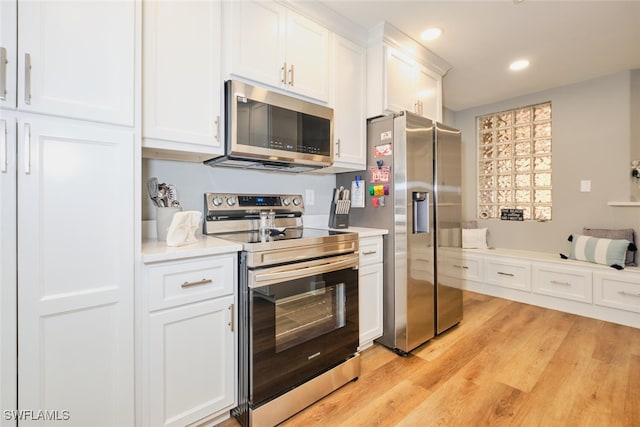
303 320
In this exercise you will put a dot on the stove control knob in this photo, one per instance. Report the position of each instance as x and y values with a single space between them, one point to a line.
286 201
217 201
296 201
231 201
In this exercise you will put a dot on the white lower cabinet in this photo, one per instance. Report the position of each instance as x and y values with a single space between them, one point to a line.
562 282
75 270
191 362
617 291
188 340
370 290
543 279
508 273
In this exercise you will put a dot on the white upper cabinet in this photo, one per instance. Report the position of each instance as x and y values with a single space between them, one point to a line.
76 59
399 81
275 46
8 53
411 86
348 89
182 87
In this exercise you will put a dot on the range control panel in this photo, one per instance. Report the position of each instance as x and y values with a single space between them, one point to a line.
216 203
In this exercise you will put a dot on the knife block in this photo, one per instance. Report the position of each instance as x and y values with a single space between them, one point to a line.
339 220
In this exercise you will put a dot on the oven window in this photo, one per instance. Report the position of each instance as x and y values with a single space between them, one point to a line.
303 317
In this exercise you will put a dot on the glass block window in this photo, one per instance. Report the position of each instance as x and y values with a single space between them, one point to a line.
514 162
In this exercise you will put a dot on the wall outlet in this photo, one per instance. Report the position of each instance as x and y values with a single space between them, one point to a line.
309 197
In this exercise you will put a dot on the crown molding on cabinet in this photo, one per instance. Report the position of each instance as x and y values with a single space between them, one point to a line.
392 36
329 19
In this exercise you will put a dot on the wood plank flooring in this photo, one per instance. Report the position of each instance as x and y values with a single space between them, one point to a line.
506 364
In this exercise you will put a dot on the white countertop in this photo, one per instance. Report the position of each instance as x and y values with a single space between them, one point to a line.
155 251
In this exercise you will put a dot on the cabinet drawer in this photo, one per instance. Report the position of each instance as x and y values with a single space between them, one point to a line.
568 283
370 250
465 267
508 274
617 290
182 282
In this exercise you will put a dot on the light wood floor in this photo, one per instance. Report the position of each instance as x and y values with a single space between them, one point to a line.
506 364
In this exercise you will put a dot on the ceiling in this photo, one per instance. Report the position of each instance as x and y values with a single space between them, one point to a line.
565 41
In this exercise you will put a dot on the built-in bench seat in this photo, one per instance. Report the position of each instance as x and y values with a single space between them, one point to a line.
546 280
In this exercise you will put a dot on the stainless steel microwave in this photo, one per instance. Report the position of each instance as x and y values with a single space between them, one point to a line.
269 130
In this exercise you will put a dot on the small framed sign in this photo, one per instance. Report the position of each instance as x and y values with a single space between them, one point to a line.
511 214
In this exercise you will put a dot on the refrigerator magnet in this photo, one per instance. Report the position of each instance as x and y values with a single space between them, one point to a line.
383 150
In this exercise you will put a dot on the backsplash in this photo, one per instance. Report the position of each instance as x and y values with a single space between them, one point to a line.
192 180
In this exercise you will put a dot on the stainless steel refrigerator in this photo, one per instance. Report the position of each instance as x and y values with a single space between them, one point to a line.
412 187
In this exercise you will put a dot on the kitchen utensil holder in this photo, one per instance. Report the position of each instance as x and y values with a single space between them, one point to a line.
164 216
339 214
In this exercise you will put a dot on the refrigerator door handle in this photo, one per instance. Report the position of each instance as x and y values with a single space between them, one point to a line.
420 201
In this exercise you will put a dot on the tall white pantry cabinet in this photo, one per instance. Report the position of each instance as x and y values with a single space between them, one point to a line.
67 161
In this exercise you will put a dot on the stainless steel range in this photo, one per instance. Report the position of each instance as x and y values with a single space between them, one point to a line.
297 304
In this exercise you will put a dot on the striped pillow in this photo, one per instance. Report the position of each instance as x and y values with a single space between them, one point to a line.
611 252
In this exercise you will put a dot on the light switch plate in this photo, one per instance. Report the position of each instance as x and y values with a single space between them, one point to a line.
585 186
309 197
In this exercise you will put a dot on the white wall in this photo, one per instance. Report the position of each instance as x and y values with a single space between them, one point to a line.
194 179
591 125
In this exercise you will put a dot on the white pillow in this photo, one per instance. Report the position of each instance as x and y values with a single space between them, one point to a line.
474 238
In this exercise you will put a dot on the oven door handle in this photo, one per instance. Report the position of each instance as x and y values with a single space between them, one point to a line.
299 270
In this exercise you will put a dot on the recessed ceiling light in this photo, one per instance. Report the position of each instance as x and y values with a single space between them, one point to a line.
518 65
431 34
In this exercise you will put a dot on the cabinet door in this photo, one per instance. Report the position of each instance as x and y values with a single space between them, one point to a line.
411 86
370 304
181 82
401 79
307 57
8 278
8 53
75 268
76 59
191 362
257 32
349 105
428 93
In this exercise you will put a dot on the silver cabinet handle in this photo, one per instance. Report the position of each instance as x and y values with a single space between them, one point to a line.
291 75
284 73
217 123
556 282
505 274
3 74
338 148
27 78
27 149
464 267
629 294
231 323
4 164
199 282
369 252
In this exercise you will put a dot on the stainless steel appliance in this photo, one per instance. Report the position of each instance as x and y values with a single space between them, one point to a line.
268 130
413 187
297 305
